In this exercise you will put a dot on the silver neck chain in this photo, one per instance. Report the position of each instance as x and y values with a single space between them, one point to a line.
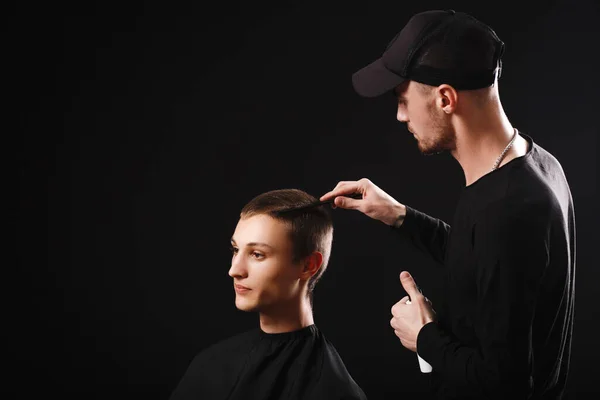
508 146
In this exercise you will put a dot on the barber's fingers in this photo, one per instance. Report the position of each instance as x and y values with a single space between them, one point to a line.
396 308
363 186
342 188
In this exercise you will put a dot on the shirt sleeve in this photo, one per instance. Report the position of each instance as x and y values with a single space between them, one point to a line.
510 253
426 233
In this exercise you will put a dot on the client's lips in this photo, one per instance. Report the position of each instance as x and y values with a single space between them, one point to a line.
241 288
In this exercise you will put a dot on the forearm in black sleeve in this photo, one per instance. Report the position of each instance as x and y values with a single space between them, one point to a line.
427 233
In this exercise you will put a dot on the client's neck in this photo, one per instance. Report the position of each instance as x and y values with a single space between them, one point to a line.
287 317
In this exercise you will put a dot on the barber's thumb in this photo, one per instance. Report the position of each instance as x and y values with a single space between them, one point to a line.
409 285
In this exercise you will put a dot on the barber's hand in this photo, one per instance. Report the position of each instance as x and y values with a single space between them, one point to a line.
408 319
375 203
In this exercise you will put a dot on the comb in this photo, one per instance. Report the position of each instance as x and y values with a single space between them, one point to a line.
357 196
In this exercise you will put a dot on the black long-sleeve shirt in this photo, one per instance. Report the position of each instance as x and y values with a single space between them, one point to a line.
255 365
509 257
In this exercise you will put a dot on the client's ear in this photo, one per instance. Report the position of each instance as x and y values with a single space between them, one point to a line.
311 266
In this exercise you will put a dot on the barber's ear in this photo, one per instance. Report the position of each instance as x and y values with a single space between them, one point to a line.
447 98
312 264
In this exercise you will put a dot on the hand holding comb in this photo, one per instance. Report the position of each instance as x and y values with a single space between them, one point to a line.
357 196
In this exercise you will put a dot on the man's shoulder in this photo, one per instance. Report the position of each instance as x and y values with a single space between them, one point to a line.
226 348
213 367
536 190
340 383
539 181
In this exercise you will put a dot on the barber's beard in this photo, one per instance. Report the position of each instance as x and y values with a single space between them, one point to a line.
441 138
441 142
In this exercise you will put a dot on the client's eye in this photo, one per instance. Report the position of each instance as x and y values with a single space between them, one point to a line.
233 249
257 255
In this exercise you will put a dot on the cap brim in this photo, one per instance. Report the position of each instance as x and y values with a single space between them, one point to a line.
375 79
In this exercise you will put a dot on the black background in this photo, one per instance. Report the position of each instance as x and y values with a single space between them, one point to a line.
145 127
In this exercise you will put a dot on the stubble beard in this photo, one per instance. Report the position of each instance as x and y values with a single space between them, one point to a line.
443 139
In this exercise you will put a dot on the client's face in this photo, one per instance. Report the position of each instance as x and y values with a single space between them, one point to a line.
261 266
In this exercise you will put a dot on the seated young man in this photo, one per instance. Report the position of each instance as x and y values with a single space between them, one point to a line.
278 257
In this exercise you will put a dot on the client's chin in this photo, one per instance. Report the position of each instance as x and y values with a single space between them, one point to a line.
244 304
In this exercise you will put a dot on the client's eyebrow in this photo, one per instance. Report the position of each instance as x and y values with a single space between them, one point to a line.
254 244
259 244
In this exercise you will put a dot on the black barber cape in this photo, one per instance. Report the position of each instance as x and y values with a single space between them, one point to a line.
256 365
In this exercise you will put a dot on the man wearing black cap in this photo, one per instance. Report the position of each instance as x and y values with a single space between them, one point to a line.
504 331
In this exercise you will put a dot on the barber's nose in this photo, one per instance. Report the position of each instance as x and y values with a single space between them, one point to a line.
401 114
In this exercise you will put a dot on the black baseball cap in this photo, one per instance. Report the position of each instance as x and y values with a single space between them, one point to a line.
435 47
